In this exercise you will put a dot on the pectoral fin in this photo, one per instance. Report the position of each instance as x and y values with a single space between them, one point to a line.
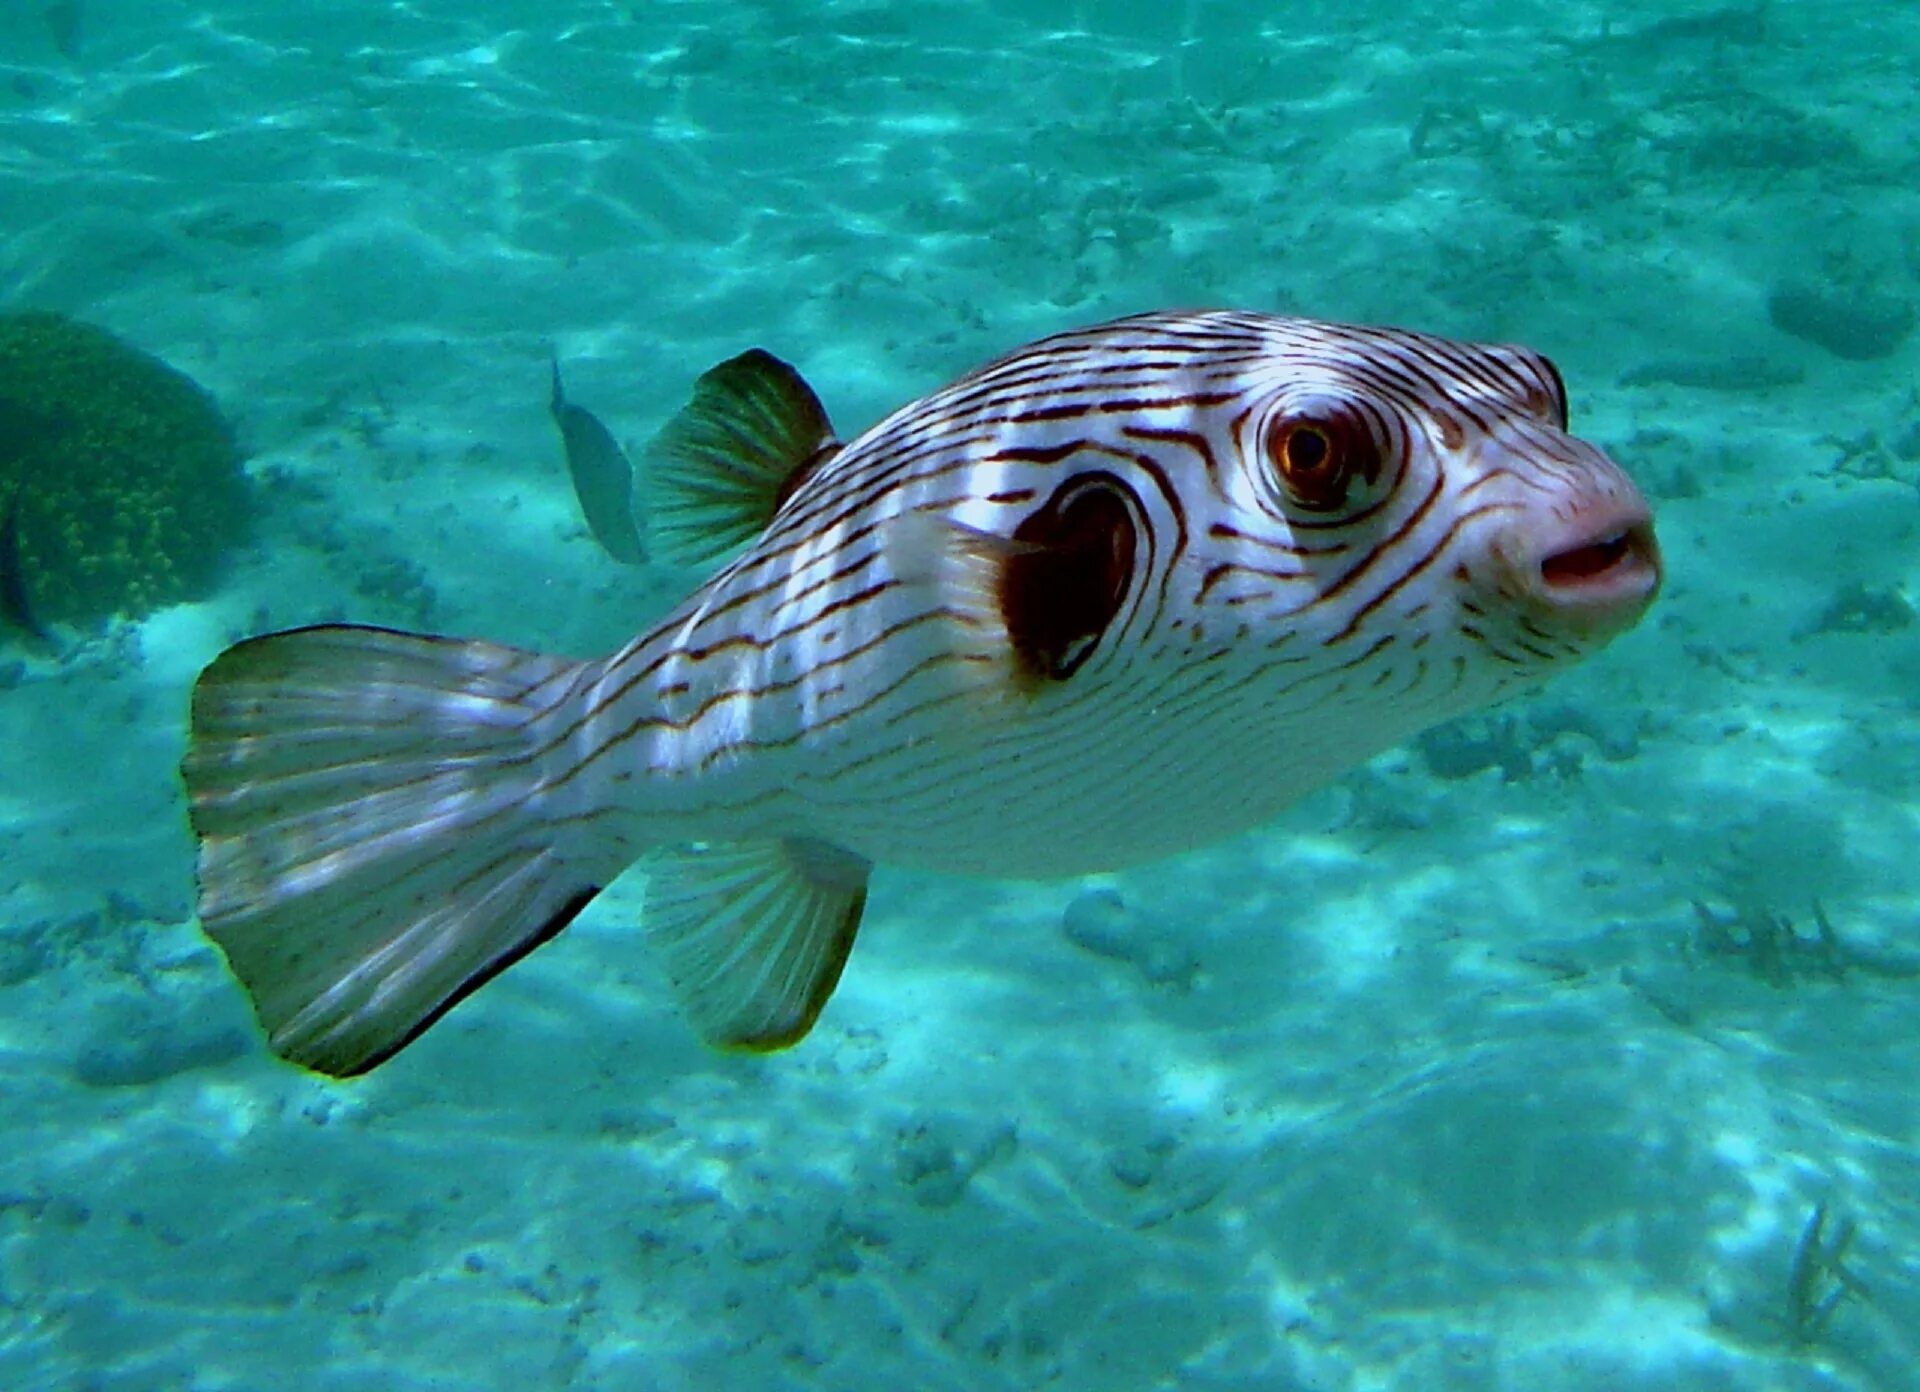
754 934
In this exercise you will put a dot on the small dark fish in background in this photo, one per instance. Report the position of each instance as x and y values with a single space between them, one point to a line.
602 478
16 608
63 25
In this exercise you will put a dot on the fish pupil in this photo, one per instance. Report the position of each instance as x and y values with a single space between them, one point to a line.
1307 450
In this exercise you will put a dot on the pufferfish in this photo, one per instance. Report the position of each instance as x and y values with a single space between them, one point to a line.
1119 594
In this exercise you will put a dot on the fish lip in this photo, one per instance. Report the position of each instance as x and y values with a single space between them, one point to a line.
1605 567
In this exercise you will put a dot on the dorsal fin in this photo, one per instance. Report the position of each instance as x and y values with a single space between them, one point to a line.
721 468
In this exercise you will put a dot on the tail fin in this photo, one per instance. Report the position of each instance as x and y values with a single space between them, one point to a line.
373 842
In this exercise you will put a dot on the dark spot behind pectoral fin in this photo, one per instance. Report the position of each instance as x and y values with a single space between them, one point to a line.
1064 580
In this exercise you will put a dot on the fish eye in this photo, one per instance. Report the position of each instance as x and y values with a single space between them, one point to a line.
1316 459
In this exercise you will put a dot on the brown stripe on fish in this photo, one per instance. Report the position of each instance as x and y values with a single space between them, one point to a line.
907 459
1372 560
856 492
592 751
1056 410
1226 531
840 658
1417 565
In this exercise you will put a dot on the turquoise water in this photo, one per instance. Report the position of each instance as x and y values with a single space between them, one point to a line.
1516 1059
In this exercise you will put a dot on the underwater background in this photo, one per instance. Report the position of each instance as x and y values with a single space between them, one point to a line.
1574 1046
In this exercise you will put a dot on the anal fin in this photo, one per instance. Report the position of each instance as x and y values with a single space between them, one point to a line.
754 934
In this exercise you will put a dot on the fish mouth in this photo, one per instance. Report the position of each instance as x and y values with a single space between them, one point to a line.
1606 573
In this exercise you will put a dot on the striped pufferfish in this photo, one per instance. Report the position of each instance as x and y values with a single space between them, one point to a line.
1117 595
